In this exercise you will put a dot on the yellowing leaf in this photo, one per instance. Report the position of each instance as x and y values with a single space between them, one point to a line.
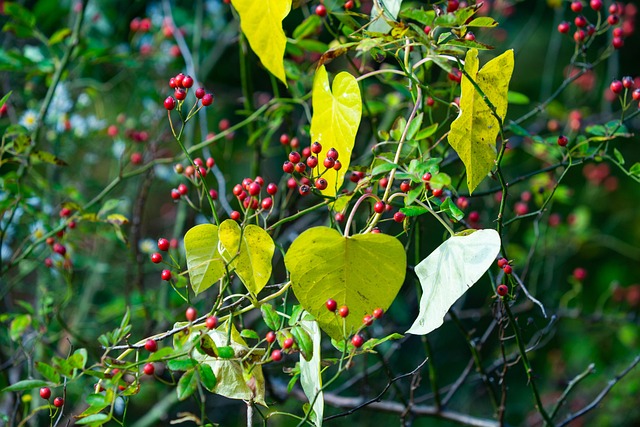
204 262
473 134
449 271
261 22
249 252
363 272
335 121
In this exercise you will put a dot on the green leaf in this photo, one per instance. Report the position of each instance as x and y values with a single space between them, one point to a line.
48 372
440 180
18 326
304 342
207 377
373 342
618 156
363 272
449 271
250 334
45 157
204 262
335 121
97 419
517 98
187 384
181 364
473 133
160 354
381 12
271 318
635 169
451 209
78 359
426 132
483 21
413 210
311 371
59 36
97 399
307 27
425 17
25 385
383 168
249 252
5 98
261 22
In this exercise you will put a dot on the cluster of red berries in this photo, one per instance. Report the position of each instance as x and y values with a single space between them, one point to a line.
321 9
505 265
140 25
287 346
357 340
45 393
199 169
585 30
181 85
249 194
299 163
627 83
57 247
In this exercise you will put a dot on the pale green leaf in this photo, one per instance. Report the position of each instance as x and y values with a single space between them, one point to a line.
261 22
382 11
364 272
336 117
97 419
311 372
473 133
517 98
449 271
18 326
204 262
249 252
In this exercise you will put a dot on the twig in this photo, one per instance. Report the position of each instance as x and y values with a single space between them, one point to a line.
531 297
590 369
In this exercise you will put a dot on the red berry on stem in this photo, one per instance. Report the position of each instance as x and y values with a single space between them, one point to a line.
636 95
270 337
331 304
617 42
156 258
405 186
399 217
200 92
627 82
187 82
337 165
357 341
321 11
378 312
300 167
180 94
580 21
367 320
163 244
455 75
149 369
348 5
379 207
329 162
312 161
596 4
321 183
267 203
45 393
235 215
563 141
613 19
437 192
576 6
169 103
254 189
339 217
276 355
470 36
166 275
211 322
183 189
178 79
272 188
284 139
294 157
175 194
502 262
343 311
507 269
564 27
474 216
426 177
316 147
616 87
304 190
287 343
580 274
333 153
288 167
151 346
191 314
59 249
210 162
58 402
207 99
502 290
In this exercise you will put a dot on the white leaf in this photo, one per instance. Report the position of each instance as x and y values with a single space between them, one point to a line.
310 372
449 272
383 9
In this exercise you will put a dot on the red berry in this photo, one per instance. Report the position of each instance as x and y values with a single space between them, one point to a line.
331 304
156 258
636 95
502 290
617 32
169 103
613 9
502 262
321 11
437 192
291 183
613 19
452 5
470 36
333 153
175 194
59 249
276 355
295 143
300 167
180 94
321 183
65 212
379 207
254 189
270 337
166 275
564 27
426 177
48 262
200 92
207 99
191 314
507 269
272 188
136 158
617 42
45 393
304 190
287 343
343 311
187 82
580 21
377 313
316 147
427 30
339 217
151 346
312 161
149 369
627 82
367 320
474 216
596 4
178 79
163 244
58 402
210 162
405 186
348 5
576 6
357 341
563 141
211 322
329 162
294 157
616 86
383 182
235 215
399 217
183 189
580 274
455 75
337 165
579 36
284 139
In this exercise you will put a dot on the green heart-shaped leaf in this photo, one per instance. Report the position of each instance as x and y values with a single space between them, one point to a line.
204 262
249 252
363 272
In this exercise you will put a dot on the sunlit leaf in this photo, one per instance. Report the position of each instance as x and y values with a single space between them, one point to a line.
473 134
336 116
204 262
381 12
249 252
449 271
261 22
363 272
311 372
